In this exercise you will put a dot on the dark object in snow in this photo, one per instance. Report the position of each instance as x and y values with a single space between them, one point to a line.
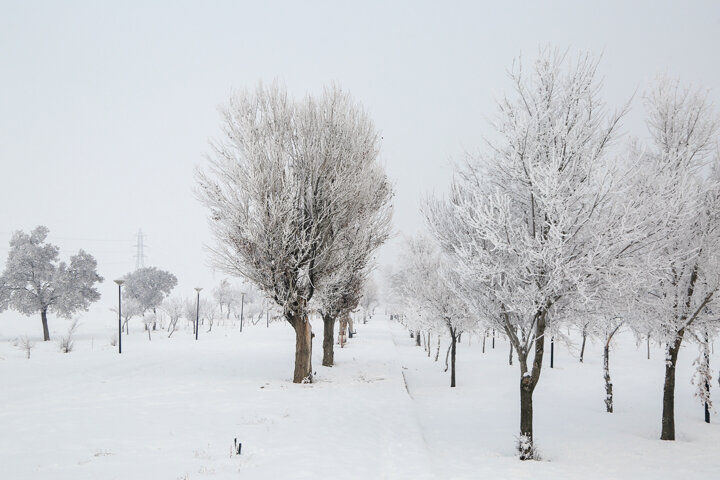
238 447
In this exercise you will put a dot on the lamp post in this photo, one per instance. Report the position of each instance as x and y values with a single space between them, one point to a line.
119 284
197 315
242 308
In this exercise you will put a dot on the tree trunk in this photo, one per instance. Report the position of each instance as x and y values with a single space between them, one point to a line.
552 352
493 339
608 382
428 345
418 339
46 331
350 327
303 349
453 344
528 382
648 346
484 337
437 353
511 352
328 337
668 414
447 355
526 419
582 349
707 370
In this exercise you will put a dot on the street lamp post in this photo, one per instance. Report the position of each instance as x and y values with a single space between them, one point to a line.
197 315
242 308
119 284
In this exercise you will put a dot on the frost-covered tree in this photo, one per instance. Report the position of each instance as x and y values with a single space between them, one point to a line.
426 280
130 309
369 298
280 181
224 295
35 280
681 178
533 223
174 307
148 287
359 233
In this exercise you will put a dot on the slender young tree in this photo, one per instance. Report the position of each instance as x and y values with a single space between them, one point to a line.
278 184
425 282
533 223
682 181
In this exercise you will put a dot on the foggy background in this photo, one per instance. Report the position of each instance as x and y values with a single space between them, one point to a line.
106 109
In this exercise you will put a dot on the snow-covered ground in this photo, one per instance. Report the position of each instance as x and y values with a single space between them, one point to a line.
171 408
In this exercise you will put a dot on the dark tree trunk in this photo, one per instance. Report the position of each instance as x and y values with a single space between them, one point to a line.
707 384
484 337
552 352
303 349
493 339
528 382
447 356
328 337
428 345
437 353
46 331
608 382
582 349
648 346
511 352
668 414
453 347
418 340
526 419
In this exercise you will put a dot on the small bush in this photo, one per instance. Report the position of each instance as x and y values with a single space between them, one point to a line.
25 344
66 343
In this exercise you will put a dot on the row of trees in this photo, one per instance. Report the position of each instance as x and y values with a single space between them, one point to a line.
550 226
298 204
35 280
153 304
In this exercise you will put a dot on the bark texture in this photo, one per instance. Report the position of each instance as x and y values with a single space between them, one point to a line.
328 341
453 348
303 349
608 382
668 414
46 331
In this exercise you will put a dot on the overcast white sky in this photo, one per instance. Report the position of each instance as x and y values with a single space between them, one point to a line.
106 107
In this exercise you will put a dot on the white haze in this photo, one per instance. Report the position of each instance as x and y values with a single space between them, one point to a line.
106 109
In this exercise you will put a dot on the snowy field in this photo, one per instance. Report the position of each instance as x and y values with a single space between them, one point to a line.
171 408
